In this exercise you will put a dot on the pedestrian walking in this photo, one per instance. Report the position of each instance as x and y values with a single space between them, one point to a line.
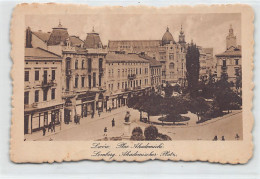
53 126
215 138
43 131
113 122
98 113
49 127
237 137
223 138
105 131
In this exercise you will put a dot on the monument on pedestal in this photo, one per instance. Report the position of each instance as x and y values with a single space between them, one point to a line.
127 127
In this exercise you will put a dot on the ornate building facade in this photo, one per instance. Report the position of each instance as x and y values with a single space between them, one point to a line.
82 69
170 53
229 62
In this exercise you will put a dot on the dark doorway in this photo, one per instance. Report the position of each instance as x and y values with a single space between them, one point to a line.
26 123
66 116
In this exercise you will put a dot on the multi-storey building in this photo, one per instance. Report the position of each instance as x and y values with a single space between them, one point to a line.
155 71
229 62
83 67
125 74
83 72
207 63
42 90
171 54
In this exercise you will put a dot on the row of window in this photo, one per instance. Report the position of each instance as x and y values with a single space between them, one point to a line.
36 95
128 84
156 80
155 71
37 75
91 79
123 64
126 72
89 64
224 62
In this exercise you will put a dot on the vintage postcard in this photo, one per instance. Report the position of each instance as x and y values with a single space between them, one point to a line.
132 83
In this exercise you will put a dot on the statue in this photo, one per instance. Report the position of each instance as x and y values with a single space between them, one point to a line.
127 127
127 116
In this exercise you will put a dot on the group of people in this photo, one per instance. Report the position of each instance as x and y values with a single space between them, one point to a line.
51 127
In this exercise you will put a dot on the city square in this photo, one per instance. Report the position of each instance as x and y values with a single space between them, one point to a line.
168 88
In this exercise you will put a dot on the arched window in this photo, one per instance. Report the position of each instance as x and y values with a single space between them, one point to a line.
171 66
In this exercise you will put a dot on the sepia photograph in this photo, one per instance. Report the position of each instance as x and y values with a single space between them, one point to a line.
133 77
132 83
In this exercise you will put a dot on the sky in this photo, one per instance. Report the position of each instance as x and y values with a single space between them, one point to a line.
206 30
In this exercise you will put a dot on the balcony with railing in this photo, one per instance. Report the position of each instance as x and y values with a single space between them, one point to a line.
224 68
68 94
131 76
48 83
68 72
101 70
42 104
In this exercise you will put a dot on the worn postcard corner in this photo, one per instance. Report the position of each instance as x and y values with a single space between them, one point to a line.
132 83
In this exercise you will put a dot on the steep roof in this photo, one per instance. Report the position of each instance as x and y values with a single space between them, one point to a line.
76 41
42 35
93 40
231 52
112 57
40 54
58 35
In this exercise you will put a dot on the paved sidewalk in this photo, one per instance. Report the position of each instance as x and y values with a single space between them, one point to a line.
63 127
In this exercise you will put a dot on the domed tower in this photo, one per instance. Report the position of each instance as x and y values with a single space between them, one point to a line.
58 35
182 37
93 40
167 37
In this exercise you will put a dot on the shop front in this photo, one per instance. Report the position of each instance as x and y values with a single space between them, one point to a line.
86 104
68 110
36 119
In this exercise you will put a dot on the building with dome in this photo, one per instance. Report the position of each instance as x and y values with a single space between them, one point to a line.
167 37
170 53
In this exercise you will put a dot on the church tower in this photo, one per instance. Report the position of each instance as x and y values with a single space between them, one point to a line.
182 37
231 40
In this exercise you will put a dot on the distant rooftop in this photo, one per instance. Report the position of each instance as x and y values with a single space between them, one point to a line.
152 61
112 57
232 51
